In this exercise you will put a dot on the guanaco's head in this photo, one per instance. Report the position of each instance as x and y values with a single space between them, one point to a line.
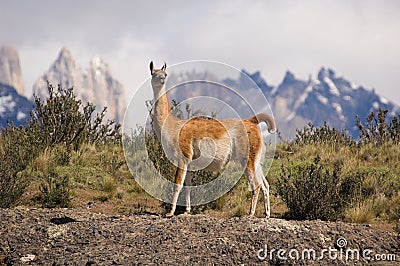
158 76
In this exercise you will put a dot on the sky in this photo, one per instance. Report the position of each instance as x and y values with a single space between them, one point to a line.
358 39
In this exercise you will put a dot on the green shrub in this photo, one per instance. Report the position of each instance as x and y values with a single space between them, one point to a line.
57 122
56 190
312 191
18 146
311 135
82 176
379 129
62 119
395 213
156 154
111 158
239 211
376 194
109 185
371 182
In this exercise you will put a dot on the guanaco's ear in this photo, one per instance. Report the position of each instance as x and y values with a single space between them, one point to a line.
164 67
151 67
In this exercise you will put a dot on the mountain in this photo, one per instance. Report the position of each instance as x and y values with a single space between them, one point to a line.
95 84
328 97
294 102
13 106
10 69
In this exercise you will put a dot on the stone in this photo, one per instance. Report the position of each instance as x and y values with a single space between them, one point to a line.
10 69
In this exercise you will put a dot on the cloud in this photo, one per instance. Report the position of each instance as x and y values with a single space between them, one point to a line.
357 38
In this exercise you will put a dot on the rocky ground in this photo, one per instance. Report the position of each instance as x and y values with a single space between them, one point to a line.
80 237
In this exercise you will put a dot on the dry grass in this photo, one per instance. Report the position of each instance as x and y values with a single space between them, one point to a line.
362 214
377 166
102 181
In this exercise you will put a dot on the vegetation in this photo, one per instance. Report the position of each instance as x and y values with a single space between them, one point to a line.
362 177
67 156
57 126
62 119
312 191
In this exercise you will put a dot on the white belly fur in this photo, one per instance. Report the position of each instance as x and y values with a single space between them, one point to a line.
211 155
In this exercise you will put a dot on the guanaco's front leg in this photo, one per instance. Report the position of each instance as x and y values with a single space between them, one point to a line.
179 179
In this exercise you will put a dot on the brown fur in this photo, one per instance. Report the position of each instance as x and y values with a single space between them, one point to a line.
225 138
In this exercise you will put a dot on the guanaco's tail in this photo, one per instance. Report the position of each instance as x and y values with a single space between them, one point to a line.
268 119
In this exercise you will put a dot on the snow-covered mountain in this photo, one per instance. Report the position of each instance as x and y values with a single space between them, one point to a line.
95 84
328 97
10 69
14 107
295 102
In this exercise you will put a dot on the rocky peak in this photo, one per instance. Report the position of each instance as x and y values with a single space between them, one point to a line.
98 63
257 78
63 71
289 78
108 90
98 70
10 69
95 84
64 61
326 73
330 79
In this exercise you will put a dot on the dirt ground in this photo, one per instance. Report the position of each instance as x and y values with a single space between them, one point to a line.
81 237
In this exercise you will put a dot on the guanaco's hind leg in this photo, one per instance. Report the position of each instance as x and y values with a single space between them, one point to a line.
255 190
258 182
254 200
265 189
187 183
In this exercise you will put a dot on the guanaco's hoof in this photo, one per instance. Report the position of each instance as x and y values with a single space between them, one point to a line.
169 215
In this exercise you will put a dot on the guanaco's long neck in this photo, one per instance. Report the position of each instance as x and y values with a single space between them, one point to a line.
162 116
